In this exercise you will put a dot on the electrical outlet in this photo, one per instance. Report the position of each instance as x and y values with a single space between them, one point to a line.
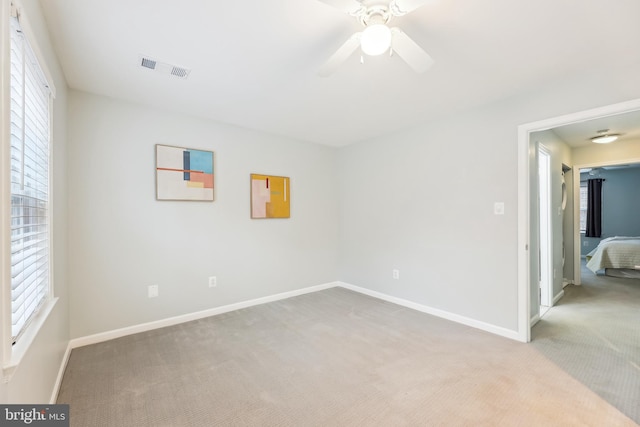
152 291
396 274
213 282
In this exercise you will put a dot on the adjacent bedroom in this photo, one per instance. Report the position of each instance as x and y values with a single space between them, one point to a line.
609 224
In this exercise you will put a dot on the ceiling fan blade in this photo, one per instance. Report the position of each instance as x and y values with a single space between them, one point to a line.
408 50
340 56
350 7
402 7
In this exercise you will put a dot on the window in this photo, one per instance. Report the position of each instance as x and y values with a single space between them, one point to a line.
30 136
583 206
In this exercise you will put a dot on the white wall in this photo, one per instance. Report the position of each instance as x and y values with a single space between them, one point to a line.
33 381
122 240
422 200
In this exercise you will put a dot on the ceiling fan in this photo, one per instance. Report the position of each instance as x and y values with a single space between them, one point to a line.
377 38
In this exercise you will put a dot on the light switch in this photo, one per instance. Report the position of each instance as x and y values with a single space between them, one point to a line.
152 291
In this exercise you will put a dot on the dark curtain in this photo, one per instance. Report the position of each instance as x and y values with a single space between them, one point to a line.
594 208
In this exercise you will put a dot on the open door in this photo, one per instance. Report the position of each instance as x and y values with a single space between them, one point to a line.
545 237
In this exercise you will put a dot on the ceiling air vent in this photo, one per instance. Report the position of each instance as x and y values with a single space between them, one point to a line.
148 63
163 67
179 72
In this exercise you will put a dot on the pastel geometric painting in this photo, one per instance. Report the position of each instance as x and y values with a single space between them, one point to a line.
270 196
183 174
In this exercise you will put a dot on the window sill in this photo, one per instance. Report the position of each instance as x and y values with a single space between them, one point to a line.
21 347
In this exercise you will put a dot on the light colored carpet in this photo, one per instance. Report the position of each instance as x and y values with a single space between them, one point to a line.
331 358
593 334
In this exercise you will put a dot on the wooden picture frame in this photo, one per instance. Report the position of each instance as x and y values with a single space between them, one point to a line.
270 196
184 174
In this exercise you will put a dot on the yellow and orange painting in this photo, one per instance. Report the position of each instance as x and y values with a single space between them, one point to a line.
270 196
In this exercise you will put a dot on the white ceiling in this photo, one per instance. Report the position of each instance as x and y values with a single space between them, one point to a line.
578 134
254 62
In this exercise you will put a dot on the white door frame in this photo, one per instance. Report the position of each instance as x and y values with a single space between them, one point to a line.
524 200
577 254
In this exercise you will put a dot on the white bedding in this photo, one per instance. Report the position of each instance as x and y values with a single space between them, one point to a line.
615 252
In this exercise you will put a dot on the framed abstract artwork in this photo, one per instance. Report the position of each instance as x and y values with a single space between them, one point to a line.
270 196
183 174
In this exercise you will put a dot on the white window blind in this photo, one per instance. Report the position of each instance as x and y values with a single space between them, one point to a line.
583 206
30 133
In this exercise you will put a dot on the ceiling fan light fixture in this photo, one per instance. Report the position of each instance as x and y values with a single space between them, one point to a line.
604 139
376 39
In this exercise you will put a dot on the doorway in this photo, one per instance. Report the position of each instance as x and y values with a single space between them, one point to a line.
528 289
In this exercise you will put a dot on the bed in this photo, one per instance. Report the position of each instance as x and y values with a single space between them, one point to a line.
617 256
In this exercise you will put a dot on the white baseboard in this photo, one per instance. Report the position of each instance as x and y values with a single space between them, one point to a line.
535 319
130 330
497 330
558 297
144 327
63 367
